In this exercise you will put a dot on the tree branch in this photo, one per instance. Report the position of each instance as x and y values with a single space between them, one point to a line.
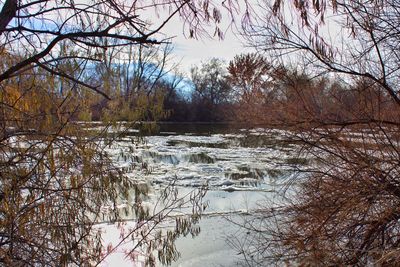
8 12
64 75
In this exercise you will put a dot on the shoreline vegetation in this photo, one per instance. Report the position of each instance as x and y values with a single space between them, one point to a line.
324 76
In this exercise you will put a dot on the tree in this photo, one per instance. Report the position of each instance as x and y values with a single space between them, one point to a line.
211 89
136 77
369 53
39 27
345 211
56 177
249 76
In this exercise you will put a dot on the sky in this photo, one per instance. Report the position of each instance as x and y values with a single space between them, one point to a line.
190 52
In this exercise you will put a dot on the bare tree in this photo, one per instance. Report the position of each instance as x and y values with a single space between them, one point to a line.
345 210
56 178
211 89
37 28
249 76
354 38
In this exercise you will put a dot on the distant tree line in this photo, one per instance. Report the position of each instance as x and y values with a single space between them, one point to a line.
248 89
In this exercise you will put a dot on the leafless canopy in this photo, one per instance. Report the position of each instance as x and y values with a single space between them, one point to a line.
56 178
356 38
39 29
346 210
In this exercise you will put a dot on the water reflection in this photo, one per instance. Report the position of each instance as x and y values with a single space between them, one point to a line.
240 168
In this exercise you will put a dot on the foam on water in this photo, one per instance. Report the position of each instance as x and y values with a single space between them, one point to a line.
239 169
218 161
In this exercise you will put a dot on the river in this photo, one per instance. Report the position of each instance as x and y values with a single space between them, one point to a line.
240 167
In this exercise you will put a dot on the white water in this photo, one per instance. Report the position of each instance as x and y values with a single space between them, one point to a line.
238 173
218 161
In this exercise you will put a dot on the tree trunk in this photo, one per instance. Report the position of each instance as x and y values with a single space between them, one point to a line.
7 13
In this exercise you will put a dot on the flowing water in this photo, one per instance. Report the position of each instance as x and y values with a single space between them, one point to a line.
240 167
